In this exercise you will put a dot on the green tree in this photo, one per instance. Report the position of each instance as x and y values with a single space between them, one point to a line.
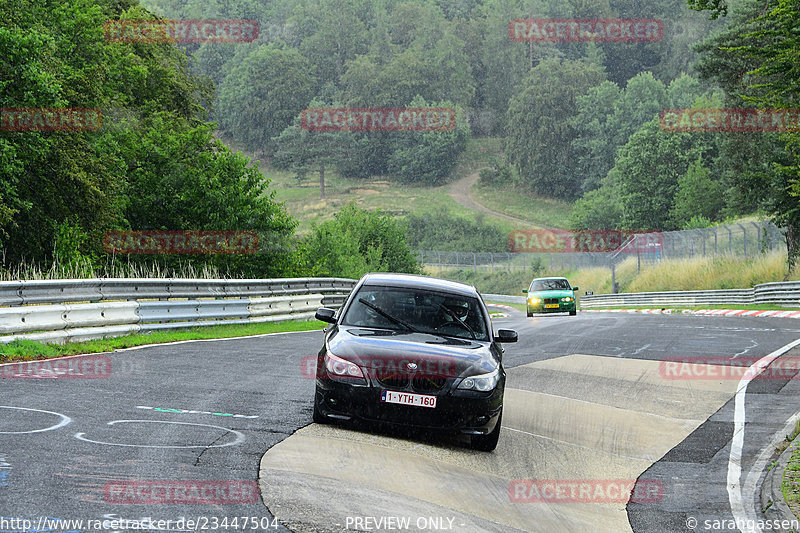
539 135
647 172
185 179
755 60
594 144
264 93
600 208
430 157
301 151
698 195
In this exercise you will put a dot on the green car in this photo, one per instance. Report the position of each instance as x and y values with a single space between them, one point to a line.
551 295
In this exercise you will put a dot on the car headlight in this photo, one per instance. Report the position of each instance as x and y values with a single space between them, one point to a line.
534 300
568 299
482 382
342 368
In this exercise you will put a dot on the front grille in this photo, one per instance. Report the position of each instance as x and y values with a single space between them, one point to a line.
428 384
394 382
551 300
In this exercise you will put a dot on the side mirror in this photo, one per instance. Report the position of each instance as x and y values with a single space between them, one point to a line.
589 293
575 288
506 335
326 315
525 291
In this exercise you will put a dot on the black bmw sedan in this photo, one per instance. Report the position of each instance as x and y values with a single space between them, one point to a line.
415 351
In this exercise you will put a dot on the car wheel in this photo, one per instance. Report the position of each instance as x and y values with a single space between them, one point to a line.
487 443
529 314
573 312
318 417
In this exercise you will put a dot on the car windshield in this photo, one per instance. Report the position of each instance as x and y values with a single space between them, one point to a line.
550 285
417 310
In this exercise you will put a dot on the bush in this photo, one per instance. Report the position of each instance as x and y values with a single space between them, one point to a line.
498 174
446 232
357 241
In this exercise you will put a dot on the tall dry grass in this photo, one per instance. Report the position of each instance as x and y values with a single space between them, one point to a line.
721 272
696 273
84 269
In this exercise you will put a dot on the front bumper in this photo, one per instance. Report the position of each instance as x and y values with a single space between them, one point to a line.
467 412
563 307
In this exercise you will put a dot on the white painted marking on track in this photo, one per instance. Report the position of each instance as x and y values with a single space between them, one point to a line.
761 462
646 346
239 436
64 420
735 498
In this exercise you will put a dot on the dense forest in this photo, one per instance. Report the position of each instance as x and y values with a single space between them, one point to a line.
579 120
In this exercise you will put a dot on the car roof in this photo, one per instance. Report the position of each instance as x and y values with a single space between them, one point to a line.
542 279
418 282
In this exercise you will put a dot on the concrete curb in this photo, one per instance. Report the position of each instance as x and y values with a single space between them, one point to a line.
704 312
773 504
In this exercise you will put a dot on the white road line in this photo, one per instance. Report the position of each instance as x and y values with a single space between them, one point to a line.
754 475
738 510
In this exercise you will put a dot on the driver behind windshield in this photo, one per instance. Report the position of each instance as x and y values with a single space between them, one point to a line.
421 311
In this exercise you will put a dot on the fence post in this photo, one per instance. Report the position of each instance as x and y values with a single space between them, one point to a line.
744 238
474 263
715 241
509 261
758 237
703 236
730 239
613 278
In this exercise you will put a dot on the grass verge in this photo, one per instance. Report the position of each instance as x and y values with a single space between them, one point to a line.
790 484
31 350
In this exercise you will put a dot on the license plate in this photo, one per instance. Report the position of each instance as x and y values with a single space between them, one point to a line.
551 306
406 398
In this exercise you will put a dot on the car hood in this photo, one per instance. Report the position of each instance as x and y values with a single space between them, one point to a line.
550 294
446 356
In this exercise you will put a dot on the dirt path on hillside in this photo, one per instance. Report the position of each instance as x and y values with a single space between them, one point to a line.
461 191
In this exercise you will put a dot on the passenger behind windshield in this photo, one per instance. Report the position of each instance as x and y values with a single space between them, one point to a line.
417 311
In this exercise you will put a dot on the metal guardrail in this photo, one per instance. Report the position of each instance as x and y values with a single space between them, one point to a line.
77 310
503 298
781 293
785 293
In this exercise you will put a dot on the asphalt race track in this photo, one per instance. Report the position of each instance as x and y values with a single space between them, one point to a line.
215 431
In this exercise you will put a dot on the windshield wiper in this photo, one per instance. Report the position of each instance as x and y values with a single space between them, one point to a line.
457 320
384 314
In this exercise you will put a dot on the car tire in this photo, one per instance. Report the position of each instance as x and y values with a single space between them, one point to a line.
487 443
317 416
573 312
